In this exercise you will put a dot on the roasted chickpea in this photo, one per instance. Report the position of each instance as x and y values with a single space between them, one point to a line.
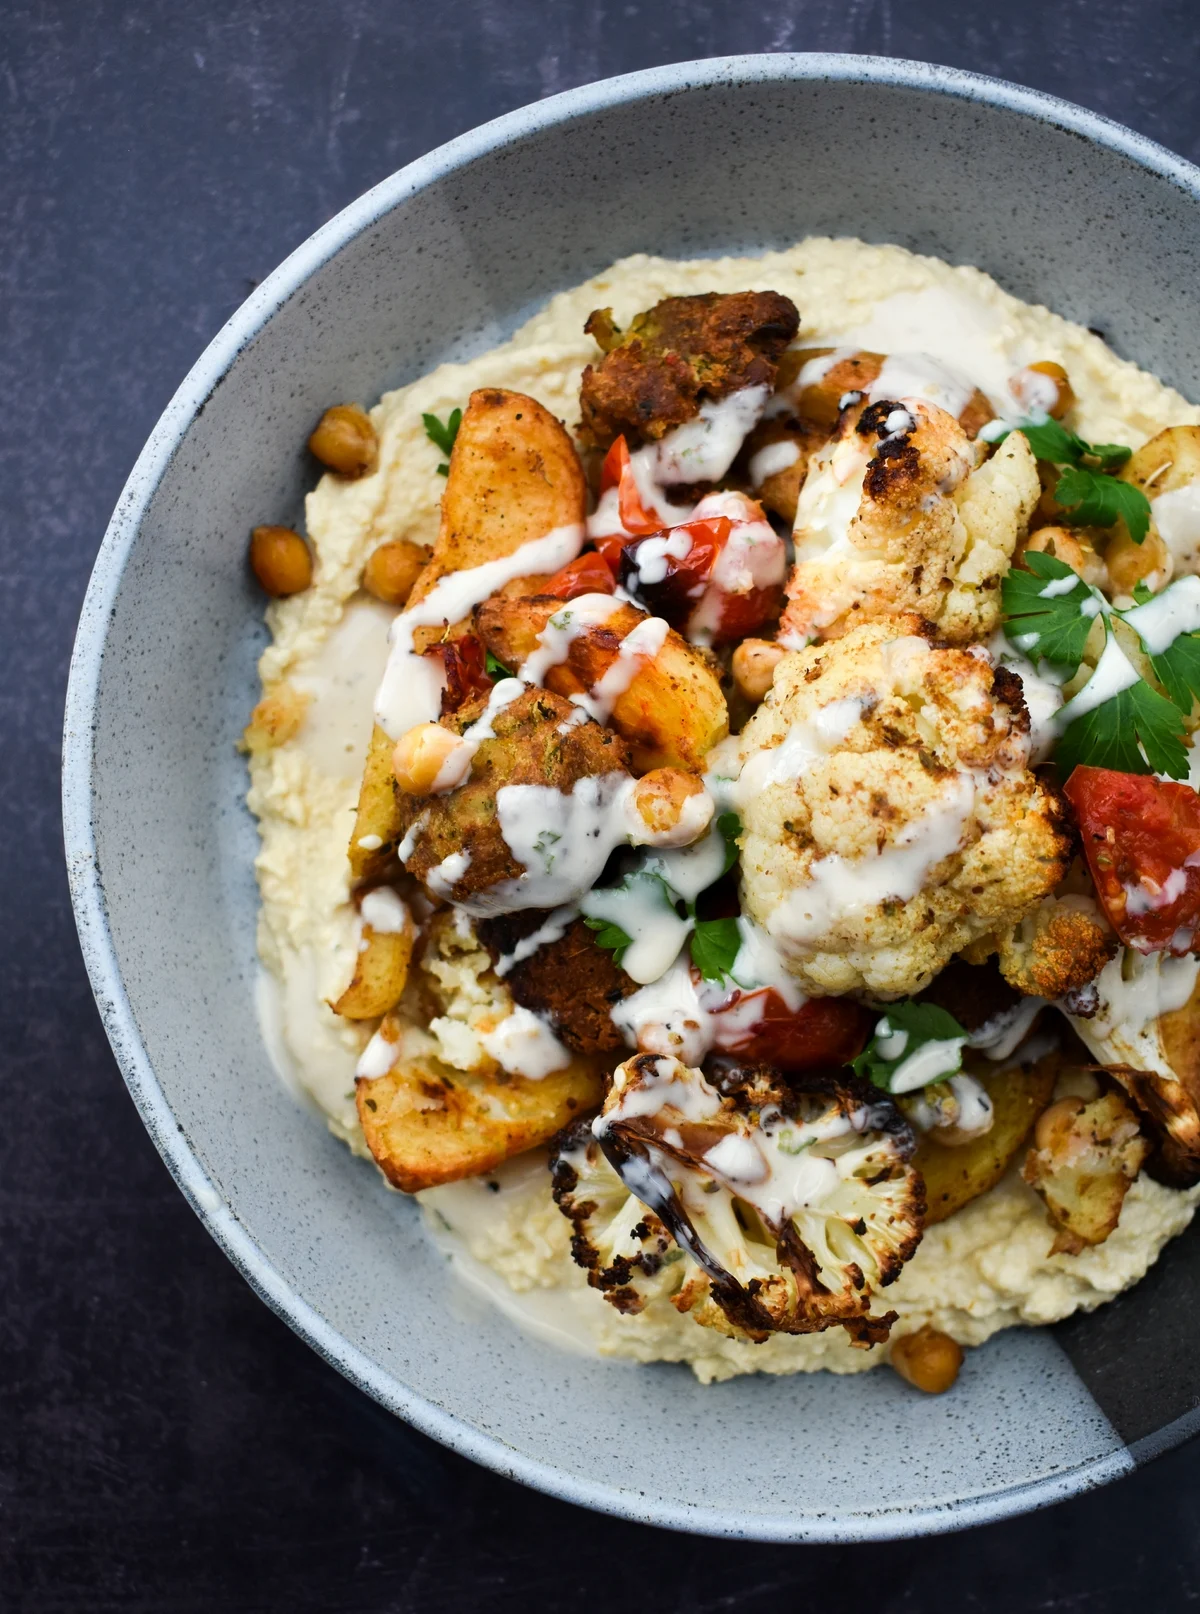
346 441
754 664
673 806
1054 1124
1073 549
392 569
1130 564
281 560
1066 392
429 756
929 1360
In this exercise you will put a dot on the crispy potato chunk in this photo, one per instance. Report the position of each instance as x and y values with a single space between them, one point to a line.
573 981
1084 1158
955 1176
380 974
1170 460
514 476
779 489
677 355
426 1123
537 742
378 823
672 712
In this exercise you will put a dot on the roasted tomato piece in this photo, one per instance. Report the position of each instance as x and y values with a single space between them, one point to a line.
617 472
1141 838
465 664
760 1028
670 569
588 574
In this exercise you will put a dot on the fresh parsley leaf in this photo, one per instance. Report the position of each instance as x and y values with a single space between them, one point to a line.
1096 500
715 945
442 436
1049 610
495 669
1108 736
729 827
1053 442
1178 670
904 1030
609 936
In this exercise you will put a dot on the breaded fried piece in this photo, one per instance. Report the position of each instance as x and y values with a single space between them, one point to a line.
573 981
677 355
538 741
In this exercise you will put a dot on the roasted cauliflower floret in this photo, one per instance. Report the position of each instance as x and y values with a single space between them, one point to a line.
788 1202
1057 948
1084 1158
894 517
889 814
678 355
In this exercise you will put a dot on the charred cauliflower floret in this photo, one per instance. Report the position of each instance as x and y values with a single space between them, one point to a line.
889 814
894 517
1057 948
1084 1158
760 1206
678 355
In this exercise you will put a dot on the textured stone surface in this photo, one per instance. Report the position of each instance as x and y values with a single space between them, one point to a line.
164 1441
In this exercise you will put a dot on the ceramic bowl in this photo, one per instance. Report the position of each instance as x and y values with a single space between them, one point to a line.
442 261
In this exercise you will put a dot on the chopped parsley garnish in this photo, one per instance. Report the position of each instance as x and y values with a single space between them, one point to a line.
442 435
1086 486
1049 609
611 937
1135 731
903 1031
495 669
715 945
729 827
1049 613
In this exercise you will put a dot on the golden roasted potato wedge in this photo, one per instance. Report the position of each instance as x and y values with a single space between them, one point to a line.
1084 1158
955 1176
1170 460
377 823
514 476
380 974
673 710
427 1124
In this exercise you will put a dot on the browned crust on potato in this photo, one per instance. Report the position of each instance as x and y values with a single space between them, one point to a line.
673 711
574 982
426 1124
676 355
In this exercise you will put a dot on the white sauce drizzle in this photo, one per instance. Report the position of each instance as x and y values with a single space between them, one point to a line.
1177 517
702 450
384 912
772 459
524 1045
552 929
1114 673
411 689
1161 620
1134 989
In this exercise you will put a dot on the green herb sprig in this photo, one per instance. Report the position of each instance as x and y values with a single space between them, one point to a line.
442 435
913 1025
1086 485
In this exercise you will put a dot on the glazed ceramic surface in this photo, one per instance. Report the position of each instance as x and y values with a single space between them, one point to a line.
443 261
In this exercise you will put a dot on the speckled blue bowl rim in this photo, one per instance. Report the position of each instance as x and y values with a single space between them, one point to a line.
87 890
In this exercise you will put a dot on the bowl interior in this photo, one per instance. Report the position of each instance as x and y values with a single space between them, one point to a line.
442 263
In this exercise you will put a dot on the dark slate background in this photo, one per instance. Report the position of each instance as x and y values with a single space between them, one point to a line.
165 1443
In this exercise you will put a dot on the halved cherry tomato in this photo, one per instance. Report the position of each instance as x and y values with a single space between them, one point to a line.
821 1033
1141 838
588 574
465 665
617 472
678 562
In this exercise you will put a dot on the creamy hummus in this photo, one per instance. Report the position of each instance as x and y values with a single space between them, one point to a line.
986 1268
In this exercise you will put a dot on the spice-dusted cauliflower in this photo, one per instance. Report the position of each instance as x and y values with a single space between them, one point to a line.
1057 948
890 817
765 1205
891 519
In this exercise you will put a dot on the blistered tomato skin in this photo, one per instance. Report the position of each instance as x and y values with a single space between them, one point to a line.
617 472
669 569
1141 838
822 1033
588 574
